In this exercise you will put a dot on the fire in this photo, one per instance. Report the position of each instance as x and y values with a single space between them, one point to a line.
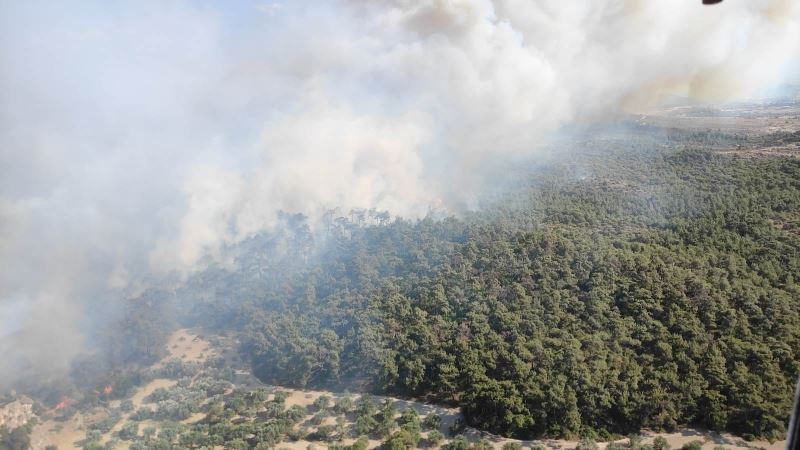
61 405
107 390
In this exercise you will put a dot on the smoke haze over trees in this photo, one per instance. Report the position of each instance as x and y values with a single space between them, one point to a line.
634 287
146 143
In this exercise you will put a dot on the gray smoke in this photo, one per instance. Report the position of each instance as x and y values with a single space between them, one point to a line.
139 137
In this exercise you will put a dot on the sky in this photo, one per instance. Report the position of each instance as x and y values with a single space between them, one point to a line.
137 138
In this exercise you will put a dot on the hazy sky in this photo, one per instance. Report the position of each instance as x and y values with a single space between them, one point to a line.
136 137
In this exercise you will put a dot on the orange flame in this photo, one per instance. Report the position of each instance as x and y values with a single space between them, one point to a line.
107 390
61 405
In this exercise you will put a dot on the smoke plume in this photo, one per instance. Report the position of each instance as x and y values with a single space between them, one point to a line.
139 137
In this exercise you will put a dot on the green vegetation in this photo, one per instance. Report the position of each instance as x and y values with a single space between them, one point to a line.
17 439
434 438
432 422
642 283
659 443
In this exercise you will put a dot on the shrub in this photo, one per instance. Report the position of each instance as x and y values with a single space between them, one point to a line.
280 397
408 416
318 418
236 444
634 441
659 443
512 446
126 405
158 395
129 431
434 438
586 444
365 424
483 444
92 446
344 405
324 433
322 402
361 443
401 440
458 443
432 422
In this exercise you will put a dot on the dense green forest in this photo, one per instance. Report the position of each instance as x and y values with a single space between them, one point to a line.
636 279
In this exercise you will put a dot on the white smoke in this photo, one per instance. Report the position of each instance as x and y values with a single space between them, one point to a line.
143 136
401 104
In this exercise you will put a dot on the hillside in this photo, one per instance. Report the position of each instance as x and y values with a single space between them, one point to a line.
631 279
640 278
230 408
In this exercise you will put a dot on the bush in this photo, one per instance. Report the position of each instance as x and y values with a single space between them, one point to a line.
659 443
92 446
361 443
236 444
126 405
318 418
586 444
322 402
158 395
129 431
432 422
394 443
458 443
365 406
344 405
296 435
324 433
401 440
295 413
634 441
106 424
408 416
280 397
386 421
483 444
17 439
365 425
148 432
694 445
512 446
434 438
142 414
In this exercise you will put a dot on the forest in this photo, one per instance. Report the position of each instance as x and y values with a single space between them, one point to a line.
636 278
